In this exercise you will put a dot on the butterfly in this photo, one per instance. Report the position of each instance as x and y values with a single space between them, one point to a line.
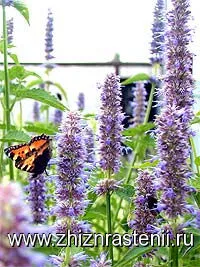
33 156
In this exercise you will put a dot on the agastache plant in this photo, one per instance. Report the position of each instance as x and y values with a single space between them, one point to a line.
173 123
72 179
81 101
139 104
37 197
158 30
15 219
100 261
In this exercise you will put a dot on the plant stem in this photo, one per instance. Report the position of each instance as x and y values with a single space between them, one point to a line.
173 256
20 114
195 154
7 85
150 101
109 221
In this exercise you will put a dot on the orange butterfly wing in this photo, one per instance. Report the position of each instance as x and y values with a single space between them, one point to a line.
32 157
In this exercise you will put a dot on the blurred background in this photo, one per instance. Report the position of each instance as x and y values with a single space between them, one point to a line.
93 32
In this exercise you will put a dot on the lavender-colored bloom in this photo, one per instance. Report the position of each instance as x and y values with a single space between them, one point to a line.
49 36
16 218
10 26
110 121
106 185
71 184
58 117
173 149
81 101
144 213
89 143
101 261
139 104
75 261
173 123
158 29
178 82
36 111
7 2
37 197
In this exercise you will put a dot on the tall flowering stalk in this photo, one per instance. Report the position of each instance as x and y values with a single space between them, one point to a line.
158 28
173 130
89 143
10 26
139 104
37 197
36 111
15 219
144 214
110 127
81 101
72 179
49 36
101 261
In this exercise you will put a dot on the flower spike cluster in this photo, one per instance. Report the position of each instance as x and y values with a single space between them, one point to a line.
72 180
145 205
10 26
37 197
49 36
81 101
110 121
139 104
158 29
173 130
101 261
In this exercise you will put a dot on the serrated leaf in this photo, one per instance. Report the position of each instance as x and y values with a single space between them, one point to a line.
39 127
22 9
16 136
125 192
138 130
3 126
136 78
132 253
94 214
40 95
21 73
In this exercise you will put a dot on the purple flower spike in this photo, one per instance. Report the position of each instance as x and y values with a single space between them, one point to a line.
173 170
37 197
7 2
72 182
10 26
173 124
139 104
81 101
145 203
101 261
49 36
106 185
16 218
158 29
78 259
89 143
110 121
36 111
58 116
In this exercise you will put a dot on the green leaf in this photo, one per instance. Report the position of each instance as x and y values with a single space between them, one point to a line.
146 165
136 78
132 253
197 161
22 9
21 73
186 249
3 126
94 214
16 136
14 58
39 95
138 130
39 127
125 192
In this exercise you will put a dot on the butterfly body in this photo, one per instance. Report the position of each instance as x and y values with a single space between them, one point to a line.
31 157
